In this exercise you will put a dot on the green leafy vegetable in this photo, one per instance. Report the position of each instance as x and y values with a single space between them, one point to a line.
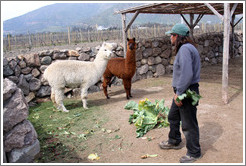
189 94
147 115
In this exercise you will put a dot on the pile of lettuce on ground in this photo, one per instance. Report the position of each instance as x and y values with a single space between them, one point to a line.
147 115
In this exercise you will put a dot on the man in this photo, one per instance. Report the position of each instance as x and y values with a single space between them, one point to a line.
186 75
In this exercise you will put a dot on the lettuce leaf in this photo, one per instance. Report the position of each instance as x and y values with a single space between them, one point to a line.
189 94
147 115
131 105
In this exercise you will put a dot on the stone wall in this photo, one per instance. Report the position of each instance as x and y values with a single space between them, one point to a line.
19 136
154 58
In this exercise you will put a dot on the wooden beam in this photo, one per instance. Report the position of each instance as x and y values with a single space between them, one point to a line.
184 8
226 52
124 35
233 8
198 19
237 22
132 20
138 7
190 25
214 11
185 20
196 22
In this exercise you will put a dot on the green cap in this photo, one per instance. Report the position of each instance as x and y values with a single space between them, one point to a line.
180 29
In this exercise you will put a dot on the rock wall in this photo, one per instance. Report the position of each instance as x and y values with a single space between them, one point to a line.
19 136
154 58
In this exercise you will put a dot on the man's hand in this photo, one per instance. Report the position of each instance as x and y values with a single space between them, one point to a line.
179 104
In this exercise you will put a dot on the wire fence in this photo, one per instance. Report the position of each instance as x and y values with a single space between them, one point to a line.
63 38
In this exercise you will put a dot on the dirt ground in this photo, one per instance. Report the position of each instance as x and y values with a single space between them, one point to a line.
221 125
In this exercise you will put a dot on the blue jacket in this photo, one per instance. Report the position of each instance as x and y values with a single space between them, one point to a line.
186 68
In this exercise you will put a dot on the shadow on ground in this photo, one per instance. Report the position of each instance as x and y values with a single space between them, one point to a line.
210 132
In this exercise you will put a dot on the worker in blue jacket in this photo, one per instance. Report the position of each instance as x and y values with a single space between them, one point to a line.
186 75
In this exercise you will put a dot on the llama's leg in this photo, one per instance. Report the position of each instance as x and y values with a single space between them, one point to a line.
127 85
84 93
130 88
59 96
106 81
52 95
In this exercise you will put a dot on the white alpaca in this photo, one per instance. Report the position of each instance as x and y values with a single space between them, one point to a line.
72 73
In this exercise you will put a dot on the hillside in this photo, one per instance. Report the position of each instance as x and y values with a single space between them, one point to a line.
54 17
57 17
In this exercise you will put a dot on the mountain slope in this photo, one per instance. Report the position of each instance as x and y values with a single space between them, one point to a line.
57 17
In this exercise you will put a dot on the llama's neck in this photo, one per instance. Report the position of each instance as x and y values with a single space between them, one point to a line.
130 63
130 57
100 65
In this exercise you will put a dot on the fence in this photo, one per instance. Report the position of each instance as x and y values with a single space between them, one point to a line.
63 38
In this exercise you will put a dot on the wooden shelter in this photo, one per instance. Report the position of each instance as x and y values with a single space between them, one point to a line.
225 11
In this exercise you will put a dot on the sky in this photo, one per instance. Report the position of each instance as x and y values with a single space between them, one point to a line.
11 9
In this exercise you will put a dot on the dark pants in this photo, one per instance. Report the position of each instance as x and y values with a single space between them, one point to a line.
187 115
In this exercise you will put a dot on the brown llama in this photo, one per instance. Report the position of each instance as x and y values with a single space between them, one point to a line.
123 68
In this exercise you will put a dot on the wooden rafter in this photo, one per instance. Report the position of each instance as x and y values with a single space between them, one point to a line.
236 22
185 8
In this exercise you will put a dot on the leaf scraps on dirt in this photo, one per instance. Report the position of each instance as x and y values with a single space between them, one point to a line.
106 130
77 114
36 116
117 137
109 131
148 155
93 156
82 136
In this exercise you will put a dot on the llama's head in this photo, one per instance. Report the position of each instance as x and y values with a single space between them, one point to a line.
107 50
131 44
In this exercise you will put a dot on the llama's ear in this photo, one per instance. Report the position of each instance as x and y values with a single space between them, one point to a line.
127 39
134 39
104 43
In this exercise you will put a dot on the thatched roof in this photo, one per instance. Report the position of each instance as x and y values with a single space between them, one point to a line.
181 8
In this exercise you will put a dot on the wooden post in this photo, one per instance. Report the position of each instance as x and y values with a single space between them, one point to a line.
101 36
16 42
124 35
191 26
30 41
51 41
81 37
38 40
154 30
226 52
226 20
68 35
98 37
126 28
9 42
89 37
232 34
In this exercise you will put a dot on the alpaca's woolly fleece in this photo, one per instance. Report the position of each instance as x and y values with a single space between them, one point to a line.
72 73
123 68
